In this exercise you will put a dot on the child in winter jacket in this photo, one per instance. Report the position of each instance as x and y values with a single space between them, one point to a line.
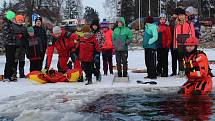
75 49
197 70
122 37
20 36
95 30
107 48
150 45
87 47
164 42
34 50
183 30
10 45
40 32
193 17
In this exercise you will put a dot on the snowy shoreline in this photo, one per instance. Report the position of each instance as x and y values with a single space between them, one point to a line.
25 101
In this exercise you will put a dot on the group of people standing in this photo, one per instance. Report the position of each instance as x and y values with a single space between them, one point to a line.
159 39
181 37
82 49
20 41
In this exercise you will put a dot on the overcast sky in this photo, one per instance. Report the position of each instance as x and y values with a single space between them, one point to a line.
96 4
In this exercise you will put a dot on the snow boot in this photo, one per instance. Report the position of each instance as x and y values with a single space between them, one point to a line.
125 71
119 73
99 77
125 74
89 81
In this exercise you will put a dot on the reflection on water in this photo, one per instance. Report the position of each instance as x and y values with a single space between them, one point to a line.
139 107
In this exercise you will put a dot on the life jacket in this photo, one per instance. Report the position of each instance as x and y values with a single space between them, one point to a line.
191 65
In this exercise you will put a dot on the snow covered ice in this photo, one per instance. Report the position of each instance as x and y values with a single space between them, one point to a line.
27 101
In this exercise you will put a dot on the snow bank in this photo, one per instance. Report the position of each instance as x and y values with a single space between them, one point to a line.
61 101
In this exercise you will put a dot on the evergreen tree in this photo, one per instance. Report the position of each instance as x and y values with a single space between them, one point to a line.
90 14
71 10
127 10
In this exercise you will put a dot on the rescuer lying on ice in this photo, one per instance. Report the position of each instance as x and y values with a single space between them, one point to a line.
196 69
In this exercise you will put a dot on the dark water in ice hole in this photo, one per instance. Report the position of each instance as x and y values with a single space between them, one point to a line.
160 107
157 107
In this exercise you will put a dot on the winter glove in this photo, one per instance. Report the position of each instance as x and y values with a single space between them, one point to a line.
45 70
75 41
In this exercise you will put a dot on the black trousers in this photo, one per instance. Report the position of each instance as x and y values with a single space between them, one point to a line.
107 61
181 53
150 60
10 60
35 65
19 59
122 62
97 64
162 58
88 68
174 54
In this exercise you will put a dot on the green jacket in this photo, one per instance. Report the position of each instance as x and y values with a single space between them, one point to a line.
150 36
122 37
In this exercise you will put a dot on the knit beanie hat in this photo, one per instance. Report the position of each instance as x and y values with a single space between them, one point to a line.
104 24
149 19
30 29
38 19
191 10
56 30
163 16
181 11
20 18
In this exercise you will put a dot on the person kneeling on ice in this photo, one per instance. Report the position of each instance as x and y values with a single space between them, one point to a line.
63 42
88 45
196 69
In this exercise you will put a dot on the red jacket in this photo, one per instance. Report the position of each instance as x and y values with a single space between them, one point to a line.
166 35
87 47
186 28
108 40
63 45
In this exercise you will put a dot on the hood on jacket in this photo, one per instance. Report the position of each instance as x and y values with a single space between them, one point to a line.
121 19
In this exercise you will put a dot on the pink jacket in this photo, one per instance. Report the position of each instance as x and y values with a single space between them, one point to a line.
186 28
